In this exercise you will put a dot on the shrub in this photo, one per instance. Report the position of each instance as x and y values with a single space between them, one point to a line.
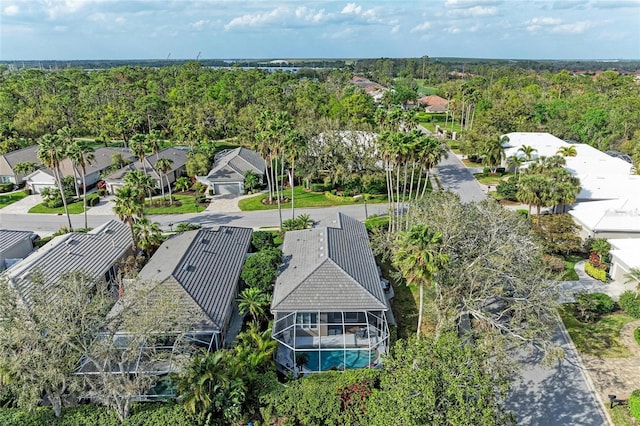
317 187
636 335
555 263
591 306
593 272
93 200
634 404
6 187
507 189
186 226
630 303
262 239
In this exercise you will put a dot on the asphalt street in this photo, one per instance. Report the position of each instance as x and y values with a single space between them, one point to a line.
455 176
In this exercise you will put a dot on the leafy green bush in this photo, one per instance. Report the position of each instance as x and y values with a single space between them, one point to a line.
634 404
636 335
6 187
262 239
630 303
593 272
590 307
186 226
93 200
507 189
555 263
260 269
317 187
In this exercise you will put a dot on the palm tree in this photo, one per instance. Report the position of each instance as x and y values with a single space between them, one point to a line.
24 168
567 151
148 235
51 151
182 184
82 155
493 152
536 190
142 181
418 258
255 349
128 206
67 136
295 143
163 166
253 301
261 145
430 156
153 141
137 144
528 151
633 276
515 162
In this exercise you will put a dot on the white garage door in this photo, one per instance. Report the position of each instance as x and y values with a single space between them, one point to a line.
226 188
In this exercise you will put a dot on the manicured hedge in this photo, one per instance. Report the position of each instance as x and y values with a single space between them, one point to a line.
151 414
593 272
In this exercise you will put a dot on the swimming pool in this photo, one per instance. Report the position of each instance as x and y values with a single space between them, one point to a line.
335 359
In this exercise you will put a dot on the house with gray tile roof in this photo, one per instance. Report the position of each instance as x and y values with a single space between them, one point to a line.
14 246
229 169
329 305
178 157
97 253
202 268
10 159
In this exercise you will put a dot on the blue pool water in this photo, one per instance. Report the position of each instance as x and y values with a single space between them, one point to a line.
336 359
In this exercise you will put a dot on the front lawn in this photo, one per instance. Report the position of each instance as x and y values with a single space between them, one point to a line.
11 197
600 338
491 179
74 208
186 204
570 263
304 199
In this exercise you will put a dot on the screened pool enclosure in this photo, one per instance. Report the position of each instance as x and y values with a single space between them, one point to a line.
319 341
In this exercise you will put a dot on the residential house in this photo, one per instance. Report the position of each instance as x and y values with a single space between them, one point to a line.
329 304
9 160
97 253
624 258
178 168
229 170
14 246
103 157
434 104
201 271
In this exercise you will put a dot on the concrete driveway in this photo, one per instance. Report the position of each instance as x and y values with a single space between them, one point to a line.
22 206
453 175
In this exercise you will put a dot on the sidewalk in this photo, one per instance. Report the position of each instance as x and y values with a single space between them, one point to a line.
590 285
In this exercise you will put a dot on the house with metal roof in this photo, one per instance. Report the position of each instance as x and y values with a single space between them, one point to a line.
103 157
178 168
9 160
202 268
97 253
229 169
14 246
329 304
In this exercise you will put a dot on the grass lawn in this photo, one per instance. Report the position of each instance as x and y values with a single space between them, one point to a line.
11 197
304 199
492 179
187 206
621 416
74 208
600 338
570 263
470 163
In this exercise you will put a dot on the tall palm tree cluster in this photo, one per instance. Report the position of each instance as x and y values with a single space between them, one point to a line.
546 183
276 139
53 148
129 206
405 154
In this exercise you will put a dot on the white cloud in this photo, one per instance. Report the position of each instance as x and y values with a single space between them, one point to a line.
200 24
475 11
573 28
453 30
422 27
546 20
257 19
465 4
120 20
395 30
60 28
11 10
352 8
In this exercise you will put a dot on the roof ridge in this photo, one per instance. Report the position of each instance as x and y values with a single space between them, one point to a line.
303 280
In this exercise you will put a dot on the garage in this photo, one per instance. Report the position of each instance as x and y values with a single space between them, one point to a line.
227 188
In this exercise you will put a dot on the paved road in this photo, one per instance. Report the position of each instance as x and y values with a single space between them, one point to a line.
454 176
556 395
47 224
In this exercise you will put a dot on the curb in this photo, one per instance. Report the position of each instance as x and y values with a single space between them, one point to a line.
585 374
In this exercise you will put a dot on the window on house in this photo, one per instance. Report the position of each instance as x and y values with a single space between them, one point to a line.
307 320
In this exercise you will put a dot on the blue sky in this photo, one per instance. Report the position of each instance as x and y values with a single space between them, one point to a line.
155 29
